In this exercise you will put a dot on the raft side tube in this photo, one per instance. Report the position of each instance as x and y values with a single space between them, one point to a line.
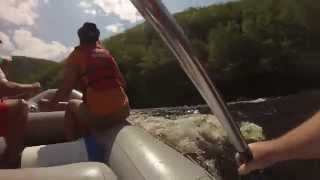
54 155
45 128
47 94
78 171
42 128
148 156
130 152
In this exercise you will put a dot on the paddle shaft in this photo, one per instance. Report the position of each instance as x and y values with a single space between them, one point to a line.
172 34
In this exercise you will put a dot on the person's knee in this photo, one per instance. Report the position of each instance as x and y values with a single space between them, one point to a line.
12 103
73 105
73 102
18 113
24 106
19 107
22 109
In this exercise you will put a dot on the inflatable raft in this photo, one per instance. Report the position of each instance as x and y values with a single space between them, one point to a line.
123 152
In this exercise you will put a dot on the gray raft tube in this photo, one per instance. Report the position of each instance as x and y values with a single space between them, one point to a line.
129 152
46 127
33 102
78 171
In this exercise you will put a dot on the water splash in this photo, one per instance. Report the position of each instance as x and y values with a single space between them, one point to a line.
198 136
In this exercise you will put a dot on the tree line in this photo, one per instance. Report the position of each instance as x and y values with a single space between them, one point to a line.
250 49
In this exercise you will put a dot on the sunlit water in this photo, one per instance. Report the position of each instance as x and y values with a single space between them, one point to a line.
198 136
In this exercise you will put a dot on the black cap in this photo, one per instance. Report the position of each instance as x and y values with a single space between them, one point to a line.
88 33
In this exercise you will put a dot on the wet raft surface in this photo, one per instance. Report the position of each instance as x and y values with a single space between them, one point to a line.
198 135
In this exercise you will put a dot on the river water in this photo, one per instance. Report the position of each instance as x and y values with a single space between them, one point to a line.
197 134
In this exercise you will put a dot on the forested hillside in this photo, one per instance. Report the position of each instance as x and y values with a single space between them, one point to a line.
27 70
251 48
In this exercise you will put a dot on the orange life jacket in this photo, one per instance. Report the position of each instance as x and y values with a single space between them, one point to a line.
101 70
101 81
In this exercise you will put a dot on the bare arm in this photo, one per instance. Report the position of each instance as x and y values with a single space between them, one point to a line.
70 78
120 75
9 88
302 142
123 81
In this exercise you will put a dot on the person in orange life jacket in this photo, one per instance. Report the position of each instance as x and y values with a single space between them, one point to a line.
92 68
13 115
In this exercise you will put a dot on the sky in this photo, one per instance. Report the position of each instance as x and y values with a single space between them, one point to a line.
47 28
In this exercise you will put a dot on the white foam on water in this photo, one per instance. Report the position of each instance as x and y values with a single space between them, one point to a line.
195 134
187 134
259 100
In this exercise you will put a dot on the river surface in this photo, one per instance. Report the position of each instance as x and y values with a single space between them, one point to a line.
198 135
195 133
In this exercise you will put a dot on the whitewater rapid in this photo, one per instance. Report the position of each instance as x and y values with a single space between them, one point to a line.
198 136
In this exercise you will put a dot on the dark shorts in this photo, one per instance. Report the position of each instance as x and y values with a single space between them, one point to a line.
4 110
104 122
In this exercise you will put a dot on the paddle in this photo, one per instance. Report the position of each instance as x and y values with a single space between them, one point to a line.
161 20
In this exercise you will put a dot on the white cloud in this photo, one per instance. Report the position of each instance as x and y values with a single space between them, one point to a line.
124 9
115 28
85 5
23 43
28 45
19 12
90 11
6 47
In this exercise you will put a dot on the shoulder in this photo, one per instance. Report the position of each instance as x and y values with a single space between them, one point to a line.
100 52
102 49
74 57
76 52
